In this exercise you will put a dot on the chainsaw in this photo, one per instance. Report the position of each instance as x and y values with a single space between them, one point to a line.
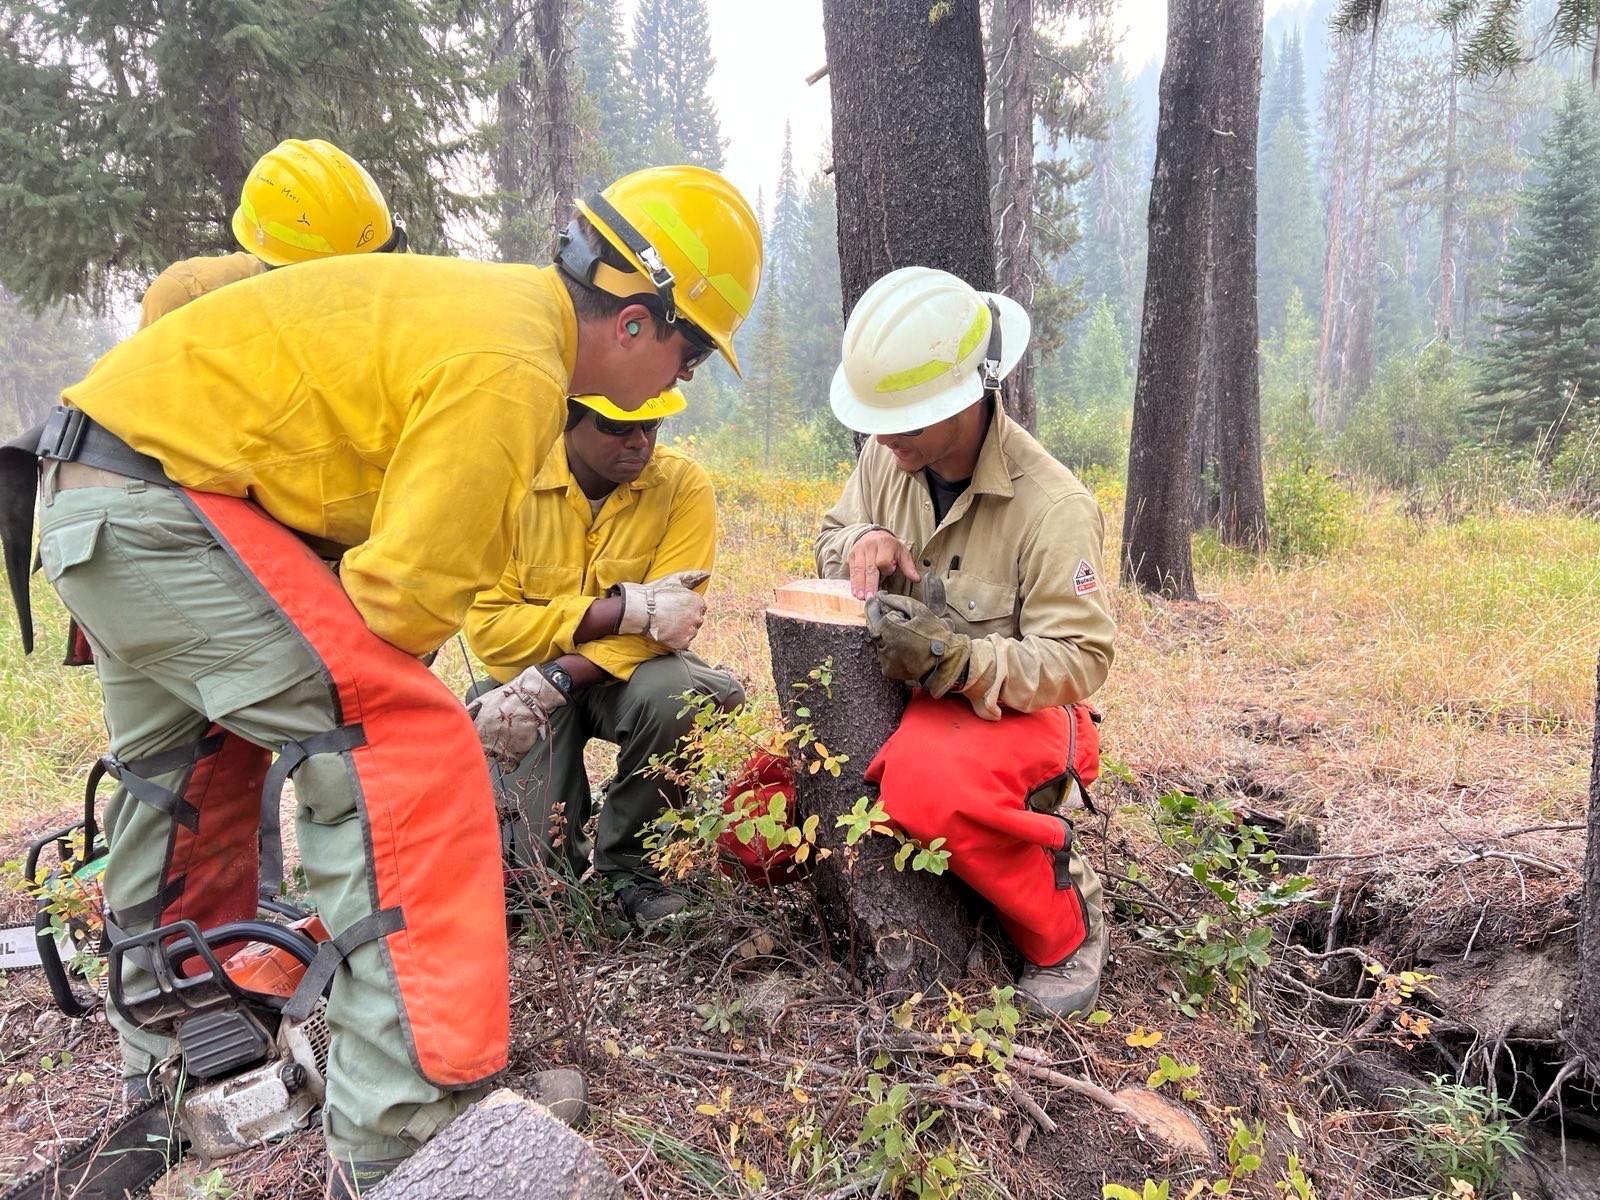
243 1073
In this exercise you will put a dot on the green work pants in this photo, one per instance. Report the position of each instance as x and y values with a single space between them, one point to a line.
548 793
183 638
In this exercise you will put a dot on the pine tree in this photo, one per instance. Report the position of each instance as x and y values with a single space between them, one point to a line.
42 355
783 246
1111 256
128 133
671 65
610 93
814 308
1100 378
1545 349
1284 95
1289 249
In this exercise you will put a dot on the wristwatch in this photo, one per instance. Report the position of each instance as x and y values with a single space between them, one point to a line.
558 675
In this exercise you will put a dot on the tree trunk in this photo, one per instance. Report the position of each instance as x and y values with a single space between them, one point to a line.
895 930
1156 523
552 30
1014 191
908 144
507 1147
1206 432
1332 279
1355 359
1447 219
1241 497
513 151
1585 1032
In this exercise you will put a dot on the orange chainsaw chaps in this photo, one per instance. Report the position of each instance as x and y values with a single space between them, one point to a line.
214 868
947 773
427 805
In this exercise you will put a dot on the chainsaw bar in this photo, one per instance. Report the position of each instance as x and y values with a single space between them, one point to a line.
121 1163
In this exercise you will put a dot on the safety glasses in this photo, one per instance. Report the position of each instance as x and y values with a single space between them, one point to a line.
621 429
701 347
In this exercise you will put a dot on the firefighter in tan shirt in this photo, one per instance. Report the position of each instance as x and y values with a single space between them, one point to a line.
954 502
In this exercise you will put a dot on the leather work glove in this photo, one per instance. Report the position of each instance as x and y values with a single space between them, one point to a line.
514 717
665 610
915 646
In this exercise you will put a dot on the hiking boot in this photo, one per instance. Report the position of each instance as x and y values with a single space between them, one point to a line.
564 1092
349 1179
1071 986
647 902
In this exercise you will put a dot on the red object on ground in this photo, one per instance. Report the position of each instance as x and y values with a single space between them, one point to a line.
946 772
751 791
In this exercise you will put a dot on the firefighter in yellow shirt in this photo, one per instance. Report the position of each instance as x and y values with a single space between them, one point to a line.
610 516
390 410
302 201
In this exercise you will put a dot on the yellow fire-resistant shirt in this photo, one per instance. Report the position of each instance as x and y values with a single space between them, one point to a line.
394 405
1021 551
565 556
192 278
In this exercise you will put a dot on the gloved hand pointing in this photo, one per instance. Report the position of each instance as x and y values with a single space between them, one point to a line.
665 610
513 717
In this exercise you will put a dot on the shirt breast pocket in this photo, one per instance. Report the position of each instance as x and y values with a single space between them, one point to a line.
980 606
543 584
609 572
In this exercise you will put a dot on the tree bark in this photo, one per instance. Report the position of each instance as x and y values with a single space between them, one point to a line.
552 30
1585 1032
1014 191
1241 495
1332 277
908 146
1355 359
507 1147
895 930
1156 523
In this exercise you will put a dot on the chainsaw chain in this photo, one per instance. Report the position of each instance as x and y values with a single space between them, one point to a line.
67 1174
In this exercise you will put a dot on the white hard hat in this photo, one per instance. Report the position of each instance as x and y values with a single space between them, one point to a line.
920 346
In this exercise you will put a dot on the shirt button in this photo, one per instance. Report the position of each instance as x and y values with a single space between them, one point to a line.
927 562
971 604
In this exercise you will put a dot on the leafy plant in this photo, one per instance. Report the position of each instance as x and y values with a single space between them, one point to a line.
1460 1132
898 1153
1217 935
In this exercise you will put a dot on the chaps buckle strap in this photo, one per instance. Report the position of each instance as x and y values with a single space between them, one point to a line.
1062 858
333 952
136 776
290 756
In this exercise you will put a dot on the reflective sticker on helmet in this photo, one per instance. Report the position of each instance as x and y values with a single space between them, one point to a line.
899 381
684 238
733 292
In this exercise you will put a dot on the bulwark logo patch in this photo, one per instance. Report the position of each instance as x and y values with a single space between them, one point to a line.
1084 580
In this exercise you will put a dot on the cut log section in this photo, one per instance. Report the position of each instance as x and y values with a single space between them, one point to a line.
895 930
508 1147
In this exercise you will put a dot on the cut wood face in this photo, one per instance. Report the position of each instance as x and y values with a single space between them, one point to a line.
825 601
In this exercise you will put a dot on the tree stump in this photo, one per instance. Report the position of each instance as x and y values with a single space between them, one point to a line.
896 930
508 1147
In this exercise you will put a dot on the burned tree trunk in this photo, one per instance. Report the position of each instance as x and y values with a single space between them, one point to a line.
1156 524
895 930
1241 496
1013 205
908 149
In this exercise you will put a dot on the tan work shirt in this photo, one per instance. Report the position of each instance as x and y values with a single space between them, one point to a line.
1021 551
192 278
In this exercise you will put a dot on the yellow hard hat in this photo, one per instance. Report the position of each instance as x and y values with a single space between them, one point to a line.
693 244
306 200
654 409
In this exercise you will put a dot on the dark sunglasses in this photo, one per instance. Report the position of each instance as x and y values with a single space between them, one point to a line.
701 347
621 429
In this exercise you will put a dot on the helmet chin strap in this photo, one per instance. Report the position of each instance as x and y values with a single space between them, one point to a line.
989 368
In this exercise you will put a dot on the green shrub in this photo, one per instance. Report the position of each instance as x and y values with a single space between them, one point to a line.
1405 429
1460 1132
1086 438
1308 513
1575 469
